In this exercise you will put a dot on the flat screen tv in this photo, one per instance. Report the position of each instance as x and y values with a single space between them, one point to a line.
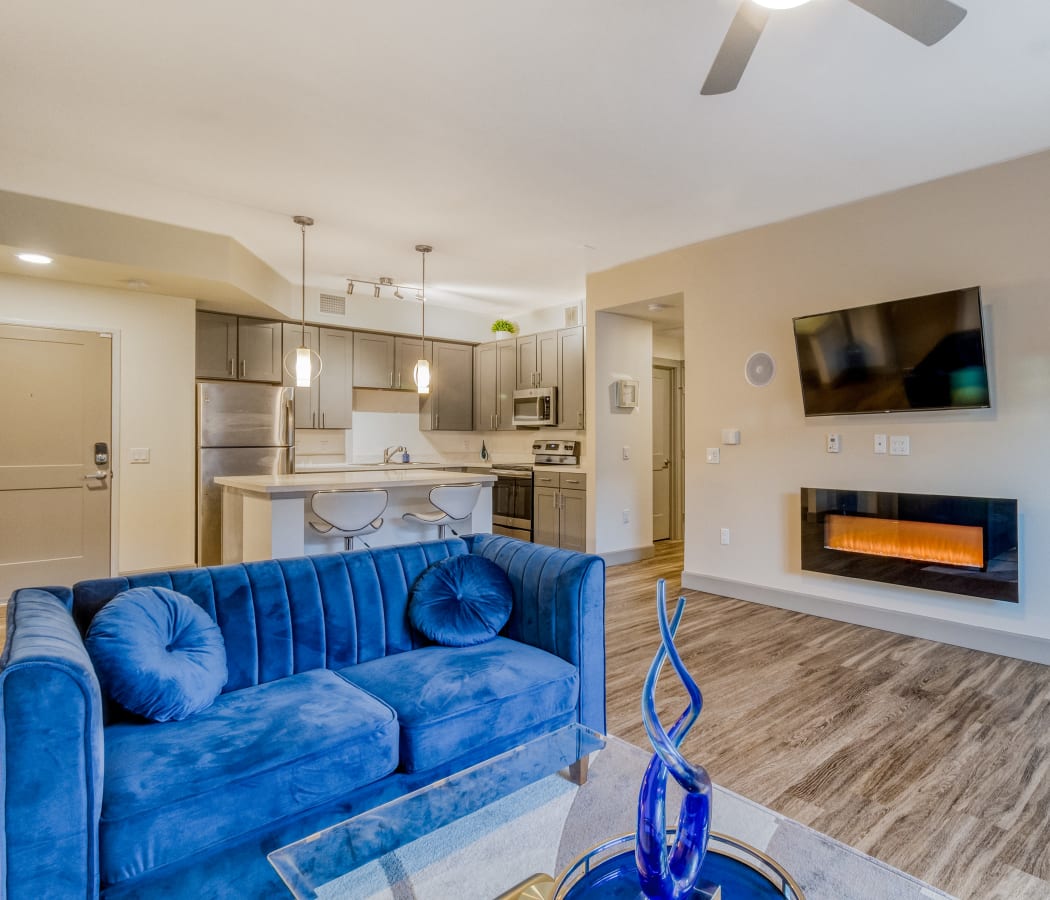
916 354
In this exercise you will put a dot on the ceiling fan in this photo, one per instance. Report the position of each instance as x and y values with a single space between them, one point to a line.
925 20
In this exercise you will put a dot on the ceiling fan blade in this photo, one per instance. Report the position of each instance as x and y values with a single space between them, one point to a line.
925 20
736 49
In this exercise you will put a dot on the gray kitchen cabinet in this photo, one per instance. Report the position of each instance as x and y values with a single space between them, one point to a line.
238 348
335 385
559 509
328 402
537 364
570 378
450 404
216 345
373 360
306 399
546 516
385 361
407 352
495 377
258 350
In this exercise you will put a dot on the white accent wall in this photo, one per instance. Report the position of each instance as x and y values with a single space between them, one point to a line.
989 228
622 348
156 405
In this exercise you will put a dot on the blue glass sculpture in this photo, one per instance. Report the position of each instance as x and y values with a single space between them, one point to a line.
671 873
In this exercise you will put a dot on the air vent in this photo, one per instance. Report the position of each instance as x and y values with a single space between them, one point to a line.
334 304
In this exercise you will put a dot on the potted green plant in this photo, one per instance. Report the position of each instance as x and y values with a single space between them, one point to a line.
503 327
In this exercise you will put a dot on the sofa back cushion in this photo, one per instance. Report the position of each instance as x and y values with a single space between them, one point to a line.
281 617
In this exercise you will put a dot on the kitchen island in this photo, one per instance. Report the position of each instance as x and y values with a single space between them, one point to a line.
266 516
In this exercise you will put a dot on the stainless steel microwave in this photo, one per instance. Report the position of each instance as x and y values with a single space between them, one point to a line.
534 407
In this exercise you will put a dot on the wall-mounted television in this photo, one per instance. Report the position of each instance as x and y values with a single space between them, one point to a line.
920 353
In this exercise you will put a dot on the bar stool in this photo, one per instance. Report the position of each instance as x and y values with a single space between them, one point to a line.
452 503
348 514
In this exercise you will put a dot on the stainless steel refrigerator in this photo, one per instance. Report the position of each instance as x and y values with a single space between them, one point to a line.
242 429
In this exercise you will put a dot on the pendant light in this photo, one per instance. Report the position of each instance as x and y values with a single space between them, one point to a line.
421 372
300 364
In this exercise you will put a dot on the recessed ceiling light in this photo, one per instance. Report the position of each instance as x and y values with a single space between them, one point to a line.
38 259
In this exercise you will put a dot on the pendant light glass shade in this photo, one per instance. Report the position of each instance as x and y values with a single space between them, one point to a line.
303 365
421 372
421 375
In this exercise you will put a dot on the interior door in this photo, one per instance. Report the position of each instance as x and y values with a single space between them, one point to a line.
662 442
55 455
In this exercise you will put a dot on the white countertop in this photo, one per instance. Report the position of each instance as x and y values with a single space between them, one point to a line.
371 477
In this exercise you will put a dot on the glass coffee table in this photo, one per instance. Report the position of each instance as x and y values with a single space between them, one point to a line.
308 864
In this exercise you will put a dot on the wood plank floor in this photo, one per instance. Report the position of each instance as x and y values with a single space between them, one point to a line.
933 758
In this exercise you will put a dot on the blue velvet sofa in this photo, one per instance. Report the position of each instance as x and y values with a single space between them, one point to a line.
333 705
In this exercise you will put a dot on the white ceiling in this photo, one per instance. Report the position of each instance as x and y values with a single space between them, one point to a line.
529 143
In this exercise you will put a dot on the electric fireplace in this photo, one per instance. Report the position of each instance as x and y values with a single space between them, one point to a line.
961 545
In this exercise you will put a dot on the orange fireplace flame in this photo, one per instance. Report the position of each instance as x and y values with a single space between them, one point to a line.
932 542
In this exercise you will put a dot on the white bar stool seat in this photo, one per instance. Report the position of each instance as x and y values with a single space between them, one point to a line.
348 514
452 503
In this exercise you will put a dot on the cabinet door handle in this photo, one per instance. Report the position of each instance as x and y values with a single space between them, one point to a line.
229 366
244 364
313 420
437 421
399 381
579 420
322 420
391 377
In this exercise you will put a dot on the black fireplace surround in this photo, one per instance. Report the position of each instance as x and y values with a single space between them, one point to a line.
989 526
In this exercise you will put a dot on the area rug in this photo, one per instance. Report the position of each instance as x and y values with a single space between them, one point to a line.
548 825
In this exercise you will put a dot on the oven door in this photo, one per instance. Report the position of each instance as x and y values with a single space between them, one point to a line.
512 505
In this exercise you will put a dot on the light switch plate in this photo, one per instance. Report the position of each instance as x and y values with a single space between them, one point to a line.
140 454
834 444
713 455
880 443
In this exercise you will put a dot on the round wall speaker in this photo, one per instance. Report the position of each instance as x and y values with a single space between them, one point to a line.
759 369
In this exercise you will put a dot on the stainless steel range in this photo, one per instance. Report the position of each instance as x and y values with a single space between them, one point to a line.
556 453
512 501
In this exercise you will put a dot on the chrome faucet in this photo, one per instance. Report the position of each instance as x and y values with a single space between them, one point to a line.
389 453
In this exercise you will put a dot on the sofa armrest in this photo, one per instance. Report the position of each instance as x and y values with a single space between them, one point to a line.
559 606
51 753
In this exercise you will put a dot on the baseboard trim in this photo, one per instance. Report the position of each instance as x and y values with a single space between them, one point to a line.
974 637
633 554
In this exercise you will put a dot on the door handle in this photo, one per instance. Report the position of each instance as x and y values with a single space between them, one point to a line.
244 365
229 366
96 476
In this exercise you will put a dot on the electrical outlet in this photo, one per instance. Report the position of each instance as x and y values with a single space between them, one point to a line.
713 455
900 445
880 443
626 516
724 537
834 443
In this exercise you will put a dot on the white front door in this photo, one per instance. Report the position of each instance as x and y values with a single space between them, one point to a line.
54 496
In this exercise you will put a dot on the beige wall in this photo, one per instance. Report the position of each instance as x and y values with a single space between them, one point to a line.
988 228
155 406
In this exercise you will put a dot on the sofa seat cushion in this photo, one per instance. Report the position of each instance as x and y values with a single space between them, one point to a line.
254 756
450 700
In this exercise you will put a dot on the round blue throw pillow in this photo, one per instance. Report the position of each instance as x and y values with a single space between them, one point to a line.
157 653
461 601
